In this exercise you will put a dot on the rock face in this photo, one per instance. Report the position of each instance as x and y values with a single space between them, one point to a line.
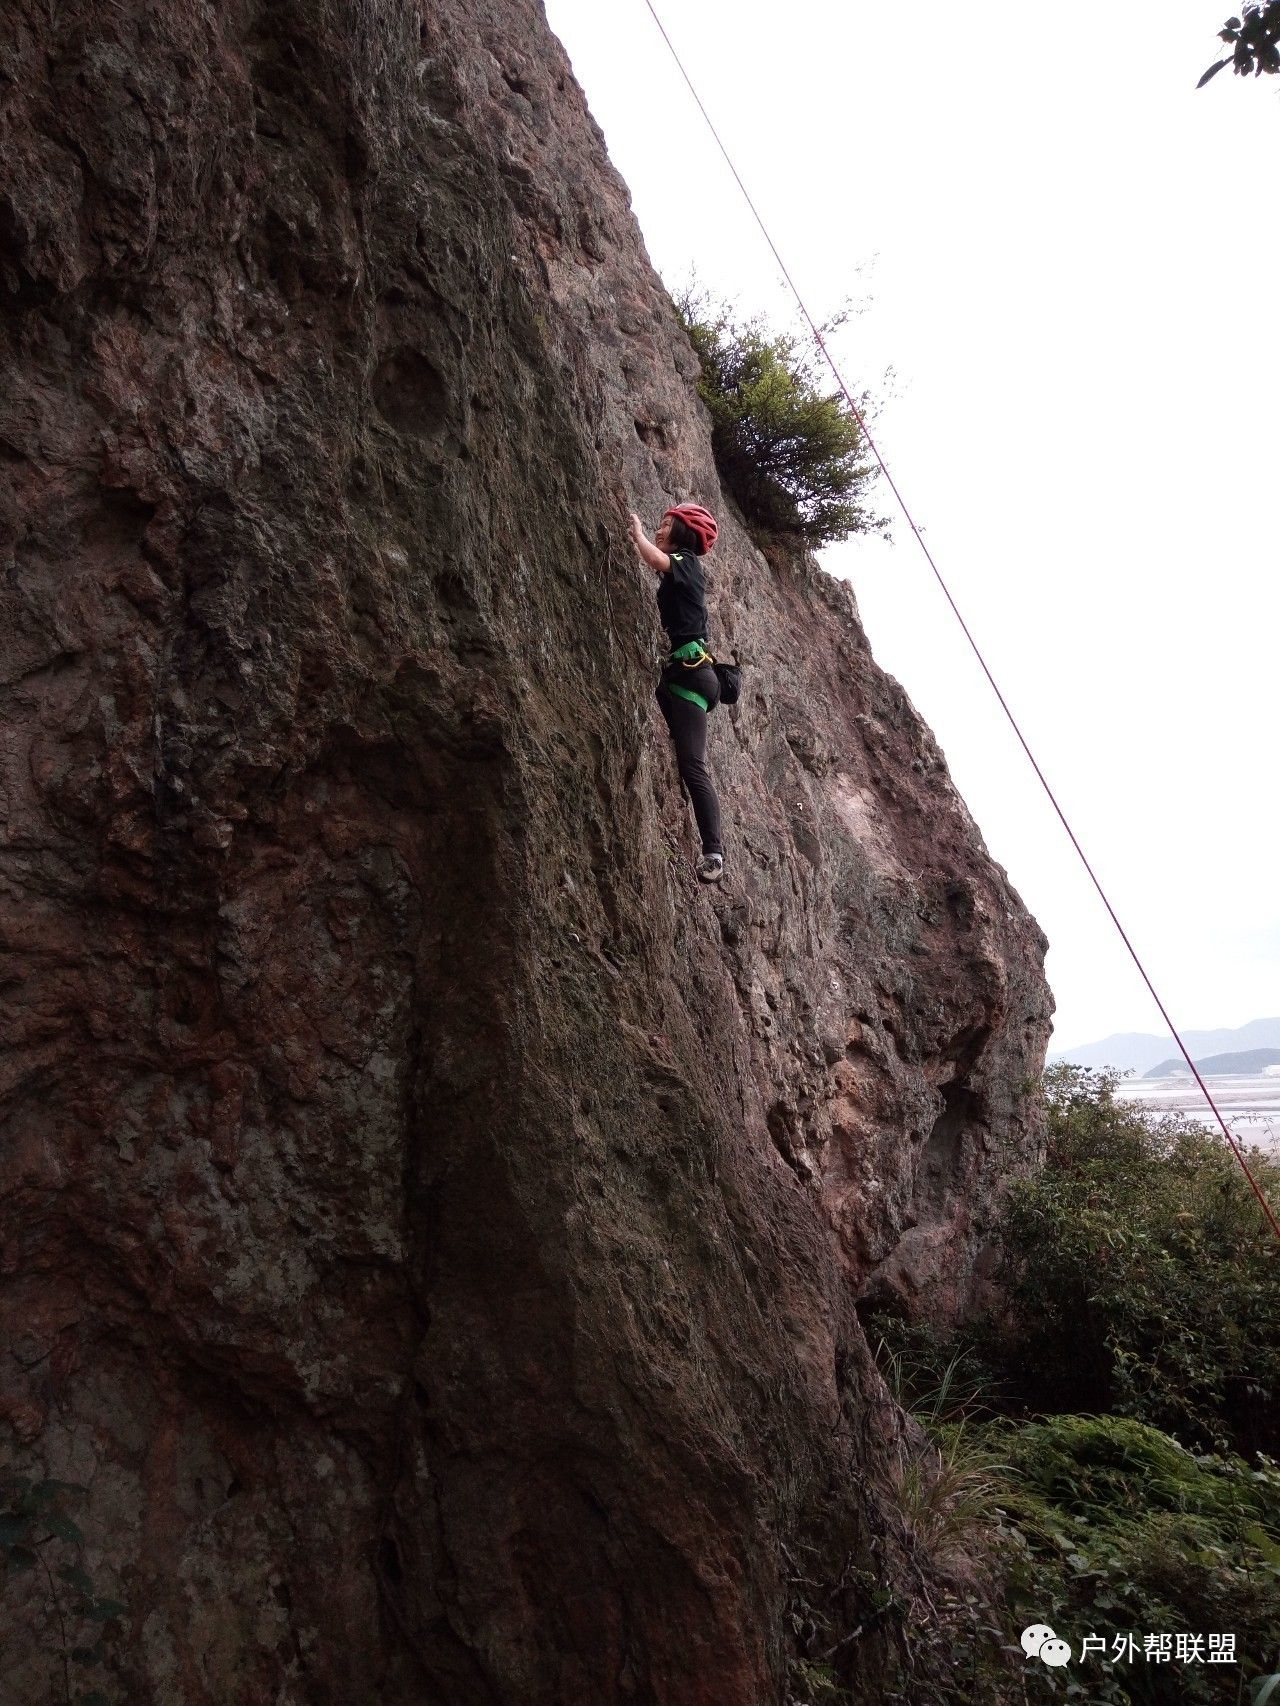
432 1225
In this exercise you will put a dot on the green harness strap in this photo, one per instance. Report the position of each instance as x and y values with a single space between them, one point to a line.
692 654
689 694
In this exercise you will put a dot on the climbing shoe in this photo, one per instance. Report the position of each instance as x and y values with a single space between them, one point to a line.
711 867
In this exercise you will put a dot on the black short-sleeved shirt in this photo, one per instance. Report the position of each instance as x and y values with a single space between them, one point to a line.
682 599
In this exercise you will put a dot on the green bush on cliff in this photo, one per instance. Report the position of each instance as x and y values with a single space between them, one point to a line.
1139 1278
787 448
1142 1279
1099 1526
1110 1528
1141 1286
38 1538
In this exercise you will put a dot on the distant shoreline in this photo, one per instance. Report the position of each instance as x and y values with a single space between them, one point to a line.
1249 1102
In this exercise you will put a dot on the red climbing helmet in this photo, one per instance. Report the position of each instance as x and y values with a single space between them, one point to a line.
698 520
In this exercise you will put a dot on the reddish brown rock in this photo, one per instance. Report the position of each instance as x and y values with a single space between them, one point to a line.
432 1225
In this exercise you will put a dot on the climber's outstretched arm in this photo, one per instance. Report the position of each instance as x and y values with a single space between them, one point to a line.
656 559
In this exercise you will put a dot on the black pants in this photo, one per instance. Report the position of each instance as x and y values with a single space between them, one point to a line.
688 725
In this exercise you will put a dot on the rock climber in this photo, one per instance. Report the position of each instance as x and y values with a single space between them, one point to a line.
689 687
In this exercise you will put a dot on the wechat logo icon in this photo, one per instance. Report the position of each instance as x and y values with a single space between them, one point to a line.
1040 1642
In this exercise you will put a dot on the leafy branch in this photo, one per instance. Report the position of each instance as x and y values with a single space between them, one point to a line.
34 1528
787 447
1254 40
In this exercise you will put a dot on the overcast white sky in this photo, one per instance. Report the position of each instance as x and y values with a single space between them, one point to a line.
1066 257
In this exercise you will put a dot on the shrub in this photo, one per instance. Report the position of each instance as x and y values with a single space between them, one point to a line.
74 1623
1096 1525
789 451
1254 39
1141 1276
1111 1528
1140 1280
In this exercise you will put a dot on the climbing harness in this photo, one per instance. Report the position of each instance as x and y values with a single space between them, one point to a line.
692 655
689 694
854 410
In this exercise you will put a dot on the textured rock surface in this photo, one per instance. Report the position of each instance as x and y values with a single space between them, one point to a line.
432 1226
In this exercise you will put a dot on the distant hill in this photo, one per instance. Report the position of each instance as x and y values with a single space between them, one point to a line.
1136 1051
1243 1062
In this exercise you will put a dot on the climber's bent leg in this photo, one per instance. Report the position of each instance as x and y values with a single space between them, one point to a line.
688 725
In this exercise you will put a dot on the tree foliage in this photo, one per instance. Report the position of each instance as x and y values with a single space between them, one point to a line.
1142 1286
789 451
1092 1524
76 1623
1142 1278
1254 39
1108 1525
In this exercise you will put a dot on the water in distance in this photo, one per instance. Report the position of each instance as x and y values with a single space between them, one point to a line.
1250 1103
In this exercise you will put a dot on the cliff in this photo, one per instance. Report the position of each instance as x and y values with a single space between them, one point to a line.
433 1227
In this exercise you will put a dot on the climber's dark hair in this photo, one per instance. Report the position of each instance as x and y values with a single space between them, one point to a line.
683 538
